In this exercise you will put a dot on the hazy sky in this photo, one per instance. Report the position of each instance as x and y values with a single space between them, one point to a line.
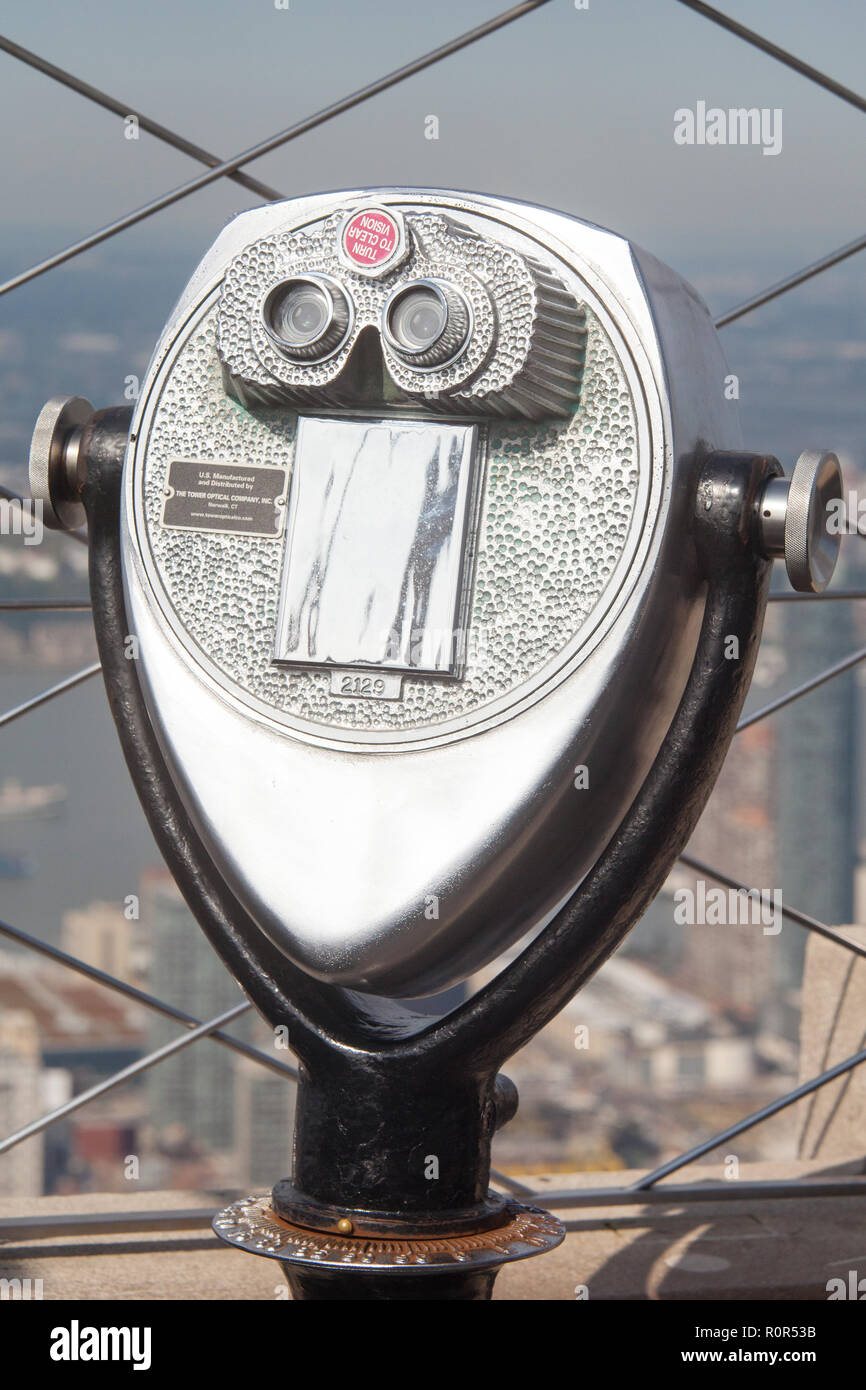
570 108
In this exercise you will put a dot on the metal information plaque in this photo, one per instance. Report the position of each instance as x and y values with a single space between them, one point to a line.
208 496
379 527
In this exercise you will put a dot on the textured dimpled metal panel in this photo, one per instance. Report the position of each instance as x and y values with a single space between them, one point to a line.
514 303
251 357
557 505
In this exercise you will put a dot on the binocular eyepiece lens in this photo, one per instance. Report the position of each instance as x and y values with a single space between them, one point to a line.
418 318
308 318
302 315
427 323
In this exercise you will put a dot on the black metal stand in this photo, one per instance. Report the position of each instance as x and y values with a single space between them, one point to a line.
396 1112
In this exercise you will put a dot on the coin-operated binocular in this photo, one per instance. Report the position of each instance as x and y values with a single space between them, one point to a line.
446 574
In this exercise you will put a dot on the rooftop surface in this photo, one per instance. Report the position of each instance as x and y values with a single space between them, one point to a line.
740 1248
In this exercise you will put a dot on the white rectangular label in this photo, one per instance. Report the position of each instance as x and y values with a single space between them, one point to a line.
380 513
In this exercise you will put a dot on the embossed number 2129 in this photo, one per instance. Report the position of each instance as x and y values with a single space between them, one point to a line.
362 685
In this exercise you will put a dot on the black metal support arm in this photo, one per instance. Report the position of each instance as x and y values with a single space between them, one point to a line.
382 1090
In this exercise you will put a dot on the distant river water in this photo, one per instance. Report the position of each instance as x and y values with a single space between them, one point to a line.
96 847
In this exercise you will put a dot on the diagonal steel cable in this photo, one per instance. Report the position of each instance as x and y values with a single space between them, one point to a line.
791 281
766 1111
793 913
161 132
676 1193
46 695
274 142
844 93
140 996
125 1074
811 684
780 54
514 1185
10 495
44 605
819 598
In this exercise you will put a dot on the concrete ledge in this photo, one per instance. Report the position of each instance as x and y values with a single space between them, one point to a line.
753 1248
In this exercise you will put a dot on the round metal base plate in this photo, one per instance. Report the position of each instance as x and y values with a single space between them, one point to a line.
253 1225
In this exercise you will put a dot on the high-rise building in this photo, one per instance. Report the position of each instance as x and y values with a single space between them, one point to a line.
20 1098
192 1091
101 935
819 796
731 963
264 1120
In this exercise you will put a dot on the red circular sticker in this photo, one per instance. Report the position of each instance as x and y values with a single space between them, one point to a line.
370 237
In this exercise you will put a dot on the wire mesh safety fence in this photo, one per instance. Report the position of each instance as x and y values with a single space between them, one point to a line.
234 169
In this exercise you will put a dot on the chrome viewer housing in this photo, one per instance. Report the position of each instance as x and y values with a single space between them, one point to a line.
409 599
